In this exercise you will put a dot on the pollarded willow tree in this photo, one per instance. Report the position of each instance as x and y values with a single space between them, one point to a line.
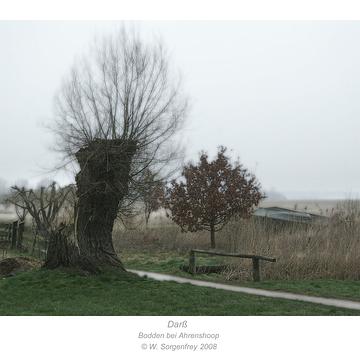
211 193
116 115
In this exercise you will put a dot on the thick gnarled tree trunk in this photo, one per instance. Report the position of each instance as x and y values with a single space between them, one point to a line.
62 252
102 184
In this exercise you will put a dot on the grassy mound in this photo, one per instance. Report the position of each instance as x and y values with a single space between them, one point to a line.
15 265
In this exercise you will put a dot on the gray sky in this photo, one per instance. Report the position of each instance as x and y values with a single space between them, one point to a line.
284 96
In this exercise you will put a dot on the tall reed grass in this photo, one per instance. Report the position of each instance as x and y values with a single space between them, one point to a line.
329 249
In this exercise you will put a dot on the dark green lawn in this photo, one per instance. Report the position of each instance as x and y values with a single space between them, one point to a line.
168 262
42 292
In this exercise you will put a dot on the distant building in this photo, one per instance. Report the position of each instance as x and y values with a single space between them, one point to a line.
286 215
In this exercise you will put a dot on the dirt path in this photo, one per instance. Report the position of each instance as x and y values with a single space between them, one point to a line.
346 304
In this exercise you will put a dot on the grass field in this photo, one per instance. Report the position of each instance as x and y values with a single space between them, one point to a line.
321 261
44 292
169 263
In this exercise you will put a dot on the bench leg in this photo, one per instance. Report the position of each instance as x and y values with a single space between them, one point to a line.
256 269
192 265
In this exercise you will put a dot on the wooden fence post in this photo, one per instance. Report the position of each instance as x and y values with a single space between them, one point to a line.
256 269
192 264
20 234
14 229
9 232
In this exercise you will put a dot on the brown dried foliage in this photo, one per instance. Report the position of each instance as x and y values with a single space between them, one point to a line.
211 194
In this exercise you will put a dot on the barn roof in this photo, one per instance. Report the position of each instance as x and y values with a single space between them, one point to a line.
282 214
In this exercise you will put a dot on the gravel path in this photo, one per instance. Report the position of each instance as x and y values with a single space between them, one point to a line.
346 304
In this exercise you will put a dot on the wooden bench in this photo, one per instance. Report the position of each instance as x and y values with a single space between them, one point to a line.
255 260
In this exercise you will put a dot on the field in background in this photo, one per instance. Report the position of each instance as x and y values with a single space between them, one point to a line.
7 214
329 250
318 207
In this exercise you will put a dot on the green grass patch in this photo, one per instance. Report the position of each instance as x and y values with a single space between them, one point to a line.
158 262
43 292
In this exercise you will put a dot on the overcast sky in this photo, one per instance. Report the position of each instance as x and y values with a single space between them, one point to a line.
284 96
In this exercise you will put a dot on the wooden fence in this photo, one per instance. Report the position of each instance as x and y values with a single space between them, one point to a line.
255 260
11 236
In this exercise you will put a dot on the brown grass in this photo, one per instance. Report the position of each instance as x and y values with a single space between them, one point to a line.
329 251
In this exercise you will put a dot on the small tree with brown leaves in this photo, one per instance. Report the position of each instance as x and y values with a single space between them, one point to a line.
211 193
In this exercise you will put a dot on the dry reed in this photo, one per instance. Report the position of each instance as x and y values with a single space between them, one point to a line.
327 250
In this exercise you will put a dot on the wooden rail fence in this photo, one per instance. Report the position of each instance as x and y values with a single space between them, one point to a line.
11 236
255 260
